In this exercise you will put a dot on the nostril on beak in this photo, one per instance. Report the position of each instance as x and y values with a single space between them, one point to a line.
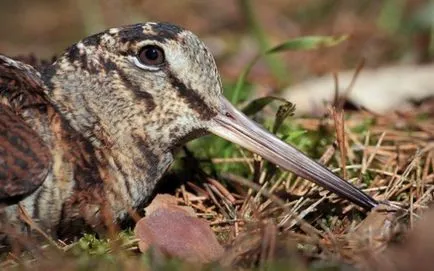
227 114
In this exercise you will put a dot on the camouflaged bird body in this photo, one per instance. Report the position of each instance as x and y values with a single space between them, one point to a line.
111 129
89 183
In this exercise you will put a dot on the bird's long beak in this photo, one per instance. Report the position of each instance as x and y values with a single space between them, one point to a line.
234 126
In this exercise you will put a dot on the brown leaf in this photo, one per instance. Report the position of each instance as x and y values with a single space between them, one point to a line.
177 232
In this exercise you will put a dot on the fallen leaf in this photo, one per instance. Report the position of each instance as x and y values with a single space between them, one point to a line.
177 232
380 90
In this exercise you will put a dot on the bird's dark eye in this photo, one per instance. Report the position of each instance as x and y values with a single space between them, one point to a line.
151 55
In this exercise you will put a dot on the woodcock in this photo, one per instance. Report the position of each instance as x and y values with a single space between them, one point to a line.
88 138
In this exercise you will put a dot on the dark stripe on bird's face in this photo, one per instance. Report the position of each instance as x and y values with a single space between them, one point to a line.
73 53
167 27
162 33
80 58
191 97
167 30
135 88
93 40
107 64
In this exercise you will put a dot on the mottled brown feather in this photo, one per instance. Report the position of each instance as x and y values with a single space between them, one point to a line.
24 158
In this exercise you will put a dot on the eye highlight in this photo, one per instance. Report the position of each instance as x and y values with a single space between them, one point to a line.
151 55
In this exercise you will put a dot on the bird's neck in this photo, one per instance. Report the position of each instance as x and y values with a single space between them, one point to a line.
125 162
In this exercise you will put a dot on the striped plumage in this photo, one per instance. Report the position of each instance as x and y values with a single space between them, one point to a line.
112 128
104 125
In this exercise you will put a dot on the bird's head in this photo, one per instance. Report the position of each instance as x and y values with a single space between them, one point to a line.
156 85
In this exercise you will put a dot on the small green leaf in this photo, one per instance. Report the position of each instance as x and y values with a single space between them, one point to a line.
258 104
307 43
283 112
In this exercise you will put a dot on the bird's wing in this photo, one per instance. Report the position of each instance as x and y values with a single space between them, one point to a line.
21 85
24 158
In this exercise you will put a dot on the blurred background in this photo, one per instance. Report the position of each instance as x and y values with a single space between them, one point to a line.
381 32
